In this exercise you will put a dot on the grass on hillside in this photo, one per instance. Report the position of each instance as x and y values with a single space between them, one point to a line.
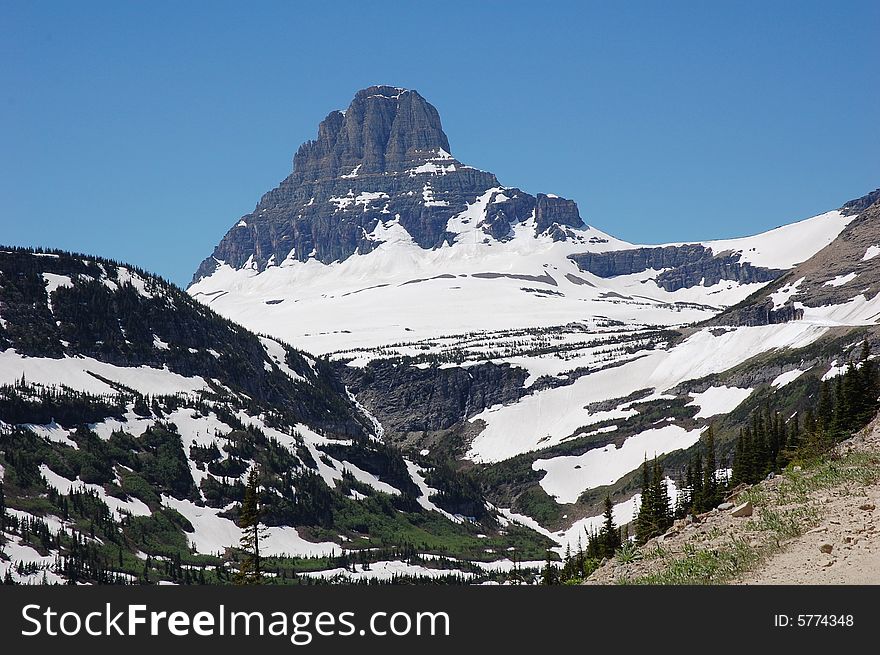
783 513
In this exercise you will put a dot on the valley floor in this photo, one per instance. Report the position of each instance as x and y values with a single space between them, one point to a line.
812 525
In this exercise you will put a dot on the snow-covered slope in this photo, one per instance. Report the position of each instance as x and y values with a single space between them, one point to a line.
403 292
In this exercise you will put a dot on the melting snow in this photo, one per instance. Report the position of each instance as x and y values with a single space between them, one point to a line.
64 486
279 355
718 400
568 476
871 252
781 296
74 373
786 378
840 280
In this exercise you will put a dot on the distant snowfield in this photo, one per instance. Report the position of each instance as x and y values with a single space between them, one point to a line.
856 311
841 280
578 532
548 417
786 378
789 244
120 507
400 291
213 533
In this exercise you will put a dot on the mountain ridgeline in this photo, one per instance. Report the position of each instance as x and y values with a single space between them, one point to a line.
57 305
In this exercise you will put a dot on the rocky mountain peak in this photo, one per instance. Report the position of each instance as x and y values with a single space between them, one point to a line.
384 160
384 129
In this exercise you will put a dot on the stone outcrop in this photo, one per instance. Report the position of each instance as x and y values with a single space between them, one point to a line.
681 267
410 399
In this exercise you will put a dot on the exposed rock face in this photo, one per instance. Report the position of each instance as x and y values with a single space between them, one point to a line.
764 314
410 399
859 205
383 164
683 266
552 210
382 131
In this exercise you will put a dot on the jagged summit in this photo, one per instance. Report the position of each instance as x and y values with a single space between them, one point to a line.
383 162
384 129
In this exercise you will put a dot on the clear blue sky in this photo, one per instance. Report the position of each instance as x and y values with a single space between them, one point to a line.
143 130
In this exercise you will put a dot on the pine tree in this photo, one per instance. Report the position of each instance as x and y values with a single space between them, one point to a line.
697 491
710 482
794 433
663 516
609 535
249 520
869 383
824 408
644 519
739 474
684 501
549 576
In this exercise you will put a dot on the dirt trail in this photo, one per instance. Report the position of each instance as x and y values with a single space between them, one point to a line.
816 526
848 525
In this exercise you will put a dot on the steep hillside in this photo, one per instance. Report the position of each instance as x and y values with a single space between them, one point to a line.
841 275
131 415
814 524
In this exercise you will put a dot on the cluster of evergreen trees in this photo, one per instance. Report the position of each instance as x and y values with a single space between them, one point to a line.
655 511
846 403
601 544
701 490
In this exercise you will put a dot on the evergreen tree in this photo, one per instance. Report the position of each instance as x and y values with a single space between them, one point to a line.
663 511
794 433
710 482
869 384
655 512
549 576
739 474
825 408
609 535
644 519
249 520
697 491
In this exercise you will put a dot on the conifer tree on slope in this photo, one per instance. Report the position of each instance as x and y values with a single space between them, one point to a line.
549 576
710 482
249 520
610 535
644 519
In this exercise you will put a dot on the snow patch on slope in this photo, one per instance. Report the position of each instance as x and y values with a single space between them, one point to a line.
569 476
718 400
786 378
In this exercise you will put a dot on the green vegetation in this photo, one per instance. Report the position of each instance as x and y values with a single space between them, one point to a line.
845 404
783 513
